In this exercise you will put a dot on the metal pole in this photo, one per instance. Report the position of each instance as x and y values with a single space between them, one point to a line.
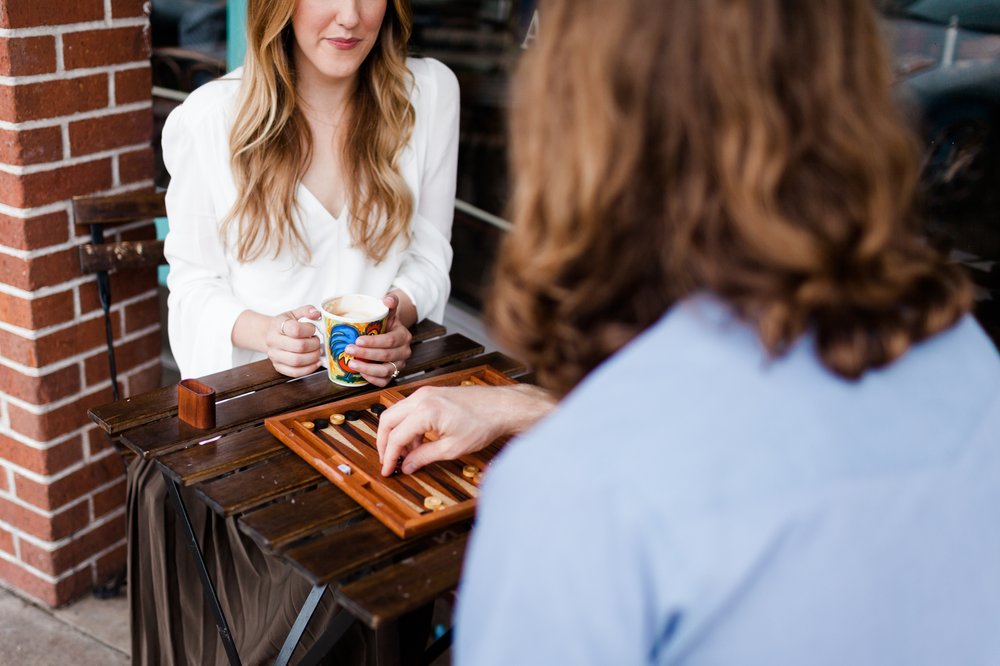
220 617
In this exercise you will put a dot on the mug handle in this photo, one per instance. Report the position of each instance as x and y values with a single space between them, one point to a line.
320 327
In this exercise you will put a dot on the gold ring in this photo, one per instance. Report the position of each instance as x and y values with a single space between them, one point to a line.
281 329
395 370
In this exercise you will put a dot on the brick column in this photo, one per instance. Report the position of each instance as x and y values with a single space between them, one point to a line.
75 118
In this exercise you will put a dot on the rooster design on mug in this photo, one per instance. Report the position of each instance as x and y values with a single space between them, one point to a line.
343 335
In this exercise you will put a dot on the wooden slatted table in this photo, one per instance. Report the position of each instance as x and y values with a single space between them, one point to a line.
288 509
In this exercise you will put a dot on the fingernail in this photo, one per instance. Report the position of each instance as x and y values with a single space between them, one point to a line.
408 469
351 349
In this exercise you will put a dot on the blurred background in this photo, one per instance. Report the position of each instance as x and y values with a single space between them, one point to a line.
947 67
947 59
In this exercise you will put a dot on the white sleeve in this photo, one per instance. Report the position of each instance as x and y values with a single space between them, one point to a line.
202 307
423 275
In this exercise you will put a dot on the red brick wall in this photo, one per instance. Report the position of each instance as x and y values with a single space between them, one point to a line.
75 118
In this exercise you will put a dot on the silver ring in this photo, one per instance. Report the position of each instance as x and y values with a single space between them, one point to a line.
281 329
395 370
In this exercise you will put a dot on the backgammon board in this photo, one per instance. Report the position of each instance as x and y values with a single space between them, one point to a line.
338 440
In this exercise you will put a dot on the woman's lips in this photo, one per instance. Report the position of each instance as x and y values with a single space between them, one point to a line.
344 43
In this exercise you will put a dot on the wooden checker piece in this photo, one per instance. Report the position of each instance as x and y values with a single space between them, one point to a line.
338 440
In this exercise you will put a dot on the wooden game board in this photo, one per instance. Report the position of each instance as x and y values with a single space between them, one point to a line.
346 454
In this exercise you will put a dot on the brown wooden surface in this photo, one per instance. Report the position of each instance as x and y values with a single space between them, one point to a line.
343 552
171 434
117 417
256 486
118 208
219 457
393 591
121 255
278 525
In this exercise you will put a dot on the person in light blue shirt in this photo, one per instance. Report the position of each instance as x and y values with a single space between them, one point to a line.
778 439
727 508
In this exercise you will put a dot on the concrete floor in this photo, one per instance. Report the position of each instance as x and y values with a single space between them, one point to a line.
88 632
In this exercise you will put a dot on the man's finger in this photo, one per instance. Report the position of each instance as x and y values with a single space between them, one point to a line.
388 420
408 433
395 452
426 453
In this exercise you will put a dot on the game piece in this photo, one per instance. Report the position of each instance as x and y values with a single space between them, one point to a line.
352 415
308 425
433 503
377 408
344 469
470 471
336 419
319 424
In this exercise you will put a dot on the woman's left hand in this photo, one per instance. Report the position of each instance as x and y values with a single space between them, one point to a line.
380 358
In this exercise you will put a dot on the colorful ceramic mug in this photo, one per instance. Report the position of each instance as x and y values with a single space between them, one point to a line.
345 318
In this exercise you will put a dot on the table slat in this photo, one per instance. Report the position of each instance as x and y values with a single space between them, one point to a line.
116 417
332 557
171 434
390 593
227 454
278 525
258 485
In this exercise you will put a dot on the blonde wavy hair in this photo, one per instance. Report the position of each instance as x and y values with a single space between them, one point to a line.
751 149
271 145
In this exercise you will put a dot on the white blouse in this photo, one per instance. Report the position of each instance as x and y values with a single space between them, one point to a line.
209 288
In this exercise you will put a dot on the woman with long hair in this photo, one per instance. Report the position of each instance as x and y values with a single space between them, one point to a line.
777 439
324 166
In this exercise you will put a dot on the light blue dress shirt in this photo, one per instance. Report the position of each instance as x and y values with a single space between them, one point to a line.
695 502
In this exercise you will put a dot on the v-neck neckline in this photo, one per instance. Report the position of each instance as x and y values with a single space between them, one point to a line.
319 204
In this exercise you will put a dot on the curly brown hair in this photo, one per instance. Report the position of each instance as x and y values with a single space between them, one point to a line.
751 149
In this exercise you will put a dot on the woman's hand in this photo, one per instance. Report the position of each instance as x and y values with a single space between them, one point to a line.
459 419
379 358
292 346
